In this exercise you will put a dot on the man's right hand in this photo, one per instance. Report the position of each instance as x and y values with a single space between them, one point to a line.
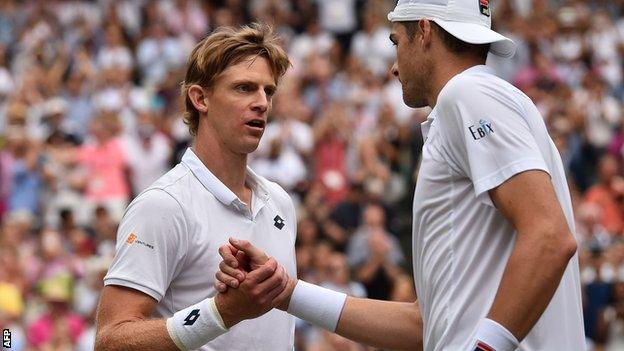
255 295
240 262
239 258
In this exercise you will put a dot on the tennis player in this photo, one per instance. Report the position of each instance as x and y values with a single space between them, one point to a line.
494 251
159 291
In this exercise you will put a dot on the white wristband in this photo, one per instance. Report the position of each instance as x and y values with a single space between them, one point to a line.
196 325
492 336
317 305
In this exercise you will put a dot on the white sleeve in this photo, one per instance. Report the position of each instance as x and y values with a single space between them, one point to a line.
486 135
151 244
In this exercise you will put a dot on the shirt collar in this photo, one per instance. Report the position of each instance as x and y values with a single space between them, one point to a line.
426 125
216 187
256 185
479 69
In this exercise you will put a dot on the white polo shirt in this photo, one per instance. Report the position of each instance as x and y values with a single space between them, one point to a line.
482 132
168 240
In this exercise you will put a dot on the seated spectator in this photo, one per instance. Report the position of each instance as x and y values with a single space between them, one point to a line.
345 217
375 254
608 194
106 166
338 277
610 334
25 174
147 152
58 328
332 135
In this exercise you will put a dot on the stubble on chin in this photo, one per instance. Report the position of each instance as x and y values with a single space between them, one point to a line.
414 96
416 92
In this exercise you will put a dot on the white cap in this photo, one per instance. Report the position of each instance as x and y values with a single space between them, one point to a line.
467 20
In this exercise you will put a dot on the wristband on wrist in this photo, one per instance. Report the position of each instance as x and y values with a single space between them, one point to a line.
196 325
491 336
317 305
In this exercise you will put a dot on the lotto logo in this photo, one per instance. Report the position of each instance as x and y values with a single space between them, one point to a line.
191 318
278 222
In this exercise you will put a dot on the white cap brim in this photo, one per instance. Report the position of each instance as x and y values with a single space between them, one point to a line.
477 34
463 30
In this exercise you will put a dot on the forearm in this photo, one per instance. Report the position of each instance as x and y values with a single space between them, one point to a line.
124 326
135 335
382 324
391 325
529 282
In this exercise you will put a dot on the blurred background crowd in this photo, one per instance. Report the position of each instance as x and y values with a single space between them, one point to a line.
90 115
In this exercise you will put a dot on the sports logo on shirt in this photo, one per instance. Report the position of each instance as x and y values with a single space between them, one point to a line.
484 7
481 130
278 222
481 346
131 239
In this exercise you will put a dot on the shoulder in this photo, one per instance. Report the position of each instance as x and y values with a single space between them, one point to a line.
154 202
480 89
154 214
168 191
175 182
473 96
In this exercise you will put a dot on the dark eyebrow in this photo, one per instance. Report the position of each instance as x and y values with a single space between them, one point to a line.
244 81
255 84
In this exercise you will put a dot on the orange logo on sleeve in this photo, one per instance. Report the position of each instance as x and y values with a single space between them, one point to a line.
131 238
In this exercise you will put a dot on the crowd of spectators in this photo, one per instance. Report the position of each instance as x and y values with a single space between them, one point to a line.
90 115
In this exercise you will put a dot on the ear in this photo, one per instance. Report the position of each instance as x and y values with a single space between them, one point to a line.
198 97
426 30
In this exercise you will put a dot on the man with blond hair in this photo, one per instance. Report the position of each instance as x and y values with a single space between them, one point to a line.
159 291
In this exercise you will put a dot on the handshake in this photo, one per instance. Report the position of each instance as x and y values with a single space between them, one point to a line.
249 283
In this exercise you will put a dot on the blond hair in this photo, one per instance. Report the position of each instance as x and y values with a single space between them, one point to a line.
225 47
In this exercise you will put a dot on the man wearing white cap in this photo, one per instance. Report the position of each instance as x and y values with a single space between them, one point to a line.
494 254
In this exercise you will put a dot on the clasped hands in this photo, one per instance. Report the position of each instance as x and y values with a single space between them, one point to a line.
249 283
